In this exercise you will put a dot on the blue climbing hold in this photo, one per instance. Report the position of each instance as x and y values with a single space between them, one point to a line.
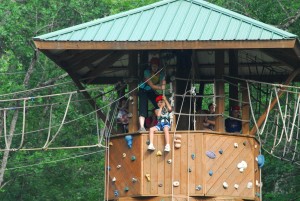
133 158
193 156
108 168
220 151
260 161
116 193
129 140
210 173
210 154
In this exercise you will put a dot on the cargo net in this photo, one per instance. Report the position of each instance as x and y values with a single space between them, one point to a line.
275 118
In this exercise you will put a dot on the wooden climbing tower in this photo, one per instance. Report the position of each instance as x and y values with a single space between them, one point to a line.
207 166
199 44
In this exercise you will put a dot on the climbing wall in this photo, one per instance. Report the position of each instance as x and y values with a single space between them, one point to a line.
230 166
203 164
124 167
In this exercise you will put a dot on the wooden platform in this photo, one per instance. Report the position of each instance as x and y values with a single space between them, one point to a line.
199 176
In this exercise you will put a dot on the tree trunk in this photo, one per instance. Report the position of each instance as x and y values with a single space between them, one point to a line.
14 121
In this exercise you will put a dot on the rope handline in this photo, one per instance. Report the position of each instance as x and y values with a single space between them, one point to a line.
51 148
23 127
34 89
97 128
281 114
252 113
76 119
49 130
265 83
62 123
64 159
51 95
5 131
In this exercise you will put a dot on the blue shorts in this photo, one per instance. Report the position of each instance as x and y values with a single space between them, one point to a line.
160 126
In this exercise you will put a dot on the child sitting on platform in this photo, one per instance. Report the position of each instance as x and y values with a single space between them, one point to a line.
123 114
233 124
163 117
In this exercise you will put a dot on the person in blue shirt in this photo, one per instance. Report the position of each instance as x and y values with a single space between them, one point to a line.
152 82
233 124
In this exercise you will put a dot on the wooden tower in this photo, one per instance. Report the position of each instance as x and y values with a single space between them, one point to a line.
191 37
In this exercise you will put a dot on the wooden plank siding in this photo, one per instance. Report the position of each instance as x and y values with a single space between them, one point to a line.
190 167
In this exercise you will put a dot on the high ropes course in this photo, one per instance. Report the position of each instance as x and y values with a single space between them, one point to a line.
45 119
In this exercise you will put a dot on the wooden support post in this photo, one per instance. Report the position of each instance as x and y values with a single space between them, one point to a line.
233 71
274 101
133 104
245 108
184 59
219 86
90 99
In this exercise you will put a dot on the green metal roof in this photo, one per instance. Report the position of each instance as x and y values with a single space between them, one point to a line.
171 20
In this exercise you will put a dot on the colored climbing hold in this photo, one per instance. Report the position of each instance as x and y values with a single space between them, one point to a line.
147 142
244 143
210 154
225 185
242 166
133 158
114 179
210 173
220 151
198 188
193 156
134 180
126 189
119 166
111 144
108 168
129 140
176 183
124 155
169 161
236 186
236 145
160 184
116 193
249 185
148 177
260 161
190 169
158 153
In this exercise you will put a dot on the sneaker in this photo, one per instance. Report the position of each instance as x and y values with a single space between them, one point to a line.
151 147
167 148
142 129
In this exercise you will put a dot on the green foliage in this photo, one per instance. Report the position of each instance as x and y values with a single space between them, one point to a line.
62 174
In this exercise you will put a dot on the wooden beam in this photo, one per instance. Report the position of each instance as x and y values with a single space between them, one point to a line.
274 101
220 101
166 45
133 105
90 100
245 109
287 57
88 60
105 64
234 72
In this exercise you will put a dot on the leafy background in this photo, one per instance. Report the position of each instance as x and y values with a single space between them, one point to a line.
79 174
